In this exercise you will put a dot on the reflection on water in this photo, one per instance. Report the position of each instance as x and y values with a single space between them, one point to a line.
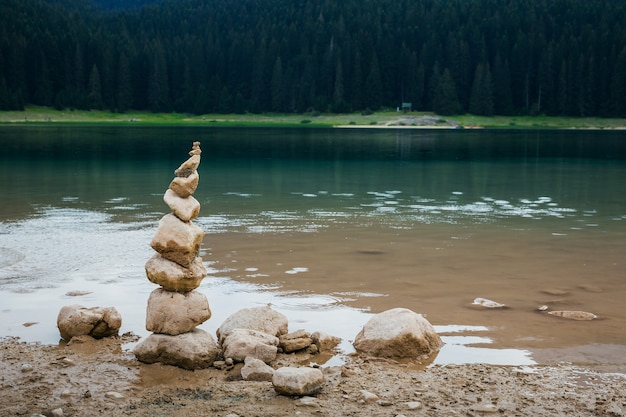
330 227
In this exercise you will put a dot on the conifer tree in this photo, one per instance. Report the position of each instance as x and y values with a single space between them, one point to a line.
95 89
124 96
278 93
446 100
481 100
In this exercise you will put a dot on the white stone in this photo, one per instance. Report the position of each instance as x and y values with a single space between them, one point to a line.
483 302
57 412
194 350
398 333
298 381
98 322
368 397
184 208
307 401
68 362
242 343
262 319
174 313
573 315
177 240
414 405
484 408
174 277
114 395
256 370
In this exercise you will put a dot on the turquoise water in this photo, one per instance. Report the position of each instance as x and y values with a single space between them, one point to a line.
331 226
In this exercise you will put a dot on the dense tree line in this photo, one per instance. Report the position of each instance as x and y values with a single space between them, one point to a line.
556 57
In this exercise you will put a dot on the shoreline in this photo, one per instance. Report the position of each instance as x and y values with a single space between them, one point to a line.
43 116
87 374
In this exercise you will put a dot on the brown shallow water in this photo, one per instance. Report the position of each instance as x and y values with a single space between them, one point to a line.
440 270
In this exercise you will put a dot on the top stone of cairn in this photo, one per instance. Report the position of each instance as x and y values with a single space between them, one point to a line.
187 178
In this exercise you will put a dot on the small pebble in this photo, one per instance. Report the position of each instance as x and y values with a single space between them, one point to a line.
485 408
219 365
414 405
369 397
68 362
574 315
307 402
114 395
483 302
26 367
57 412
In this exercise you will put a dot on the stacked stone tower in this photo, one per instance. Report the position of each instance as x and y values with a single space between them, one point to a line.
175 309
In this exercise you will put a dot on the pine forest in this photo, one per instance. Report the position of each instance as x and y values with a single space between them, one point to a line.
485 57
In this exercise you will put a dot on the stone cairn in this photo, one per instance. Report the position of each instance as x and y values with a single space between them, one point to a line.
175 309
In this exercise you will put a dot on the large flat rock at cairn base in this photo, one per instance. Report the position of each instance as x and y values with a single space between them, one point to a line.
184 208
177 240
174 313
398 333
194 350
261 319
174 277
97 322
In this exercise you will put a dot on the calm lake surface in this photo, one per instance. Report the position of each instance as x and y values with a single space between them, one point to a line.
331 226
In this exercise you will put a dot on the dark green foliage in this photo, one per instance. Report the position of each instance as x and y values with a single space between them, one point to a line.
562 57
446 100
481 99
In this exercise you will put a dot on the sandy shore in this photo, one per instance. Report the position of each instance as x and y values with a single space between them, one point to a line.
101 378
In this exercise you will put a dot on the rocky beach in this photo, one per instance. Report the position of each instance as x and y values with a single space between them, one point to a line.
100 377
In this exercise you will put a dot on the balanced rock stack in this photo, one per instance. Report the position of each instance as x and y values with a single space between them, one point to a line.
176 309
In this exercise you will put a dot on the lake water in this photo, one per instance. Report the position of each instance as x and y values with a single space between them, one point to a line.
331 226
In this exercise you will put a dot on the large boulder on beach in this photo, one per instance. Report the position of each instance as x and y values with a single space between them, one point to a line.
174 277
297 381
177 240
243 343
398 333
174 312
97 322
194 350
262 319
